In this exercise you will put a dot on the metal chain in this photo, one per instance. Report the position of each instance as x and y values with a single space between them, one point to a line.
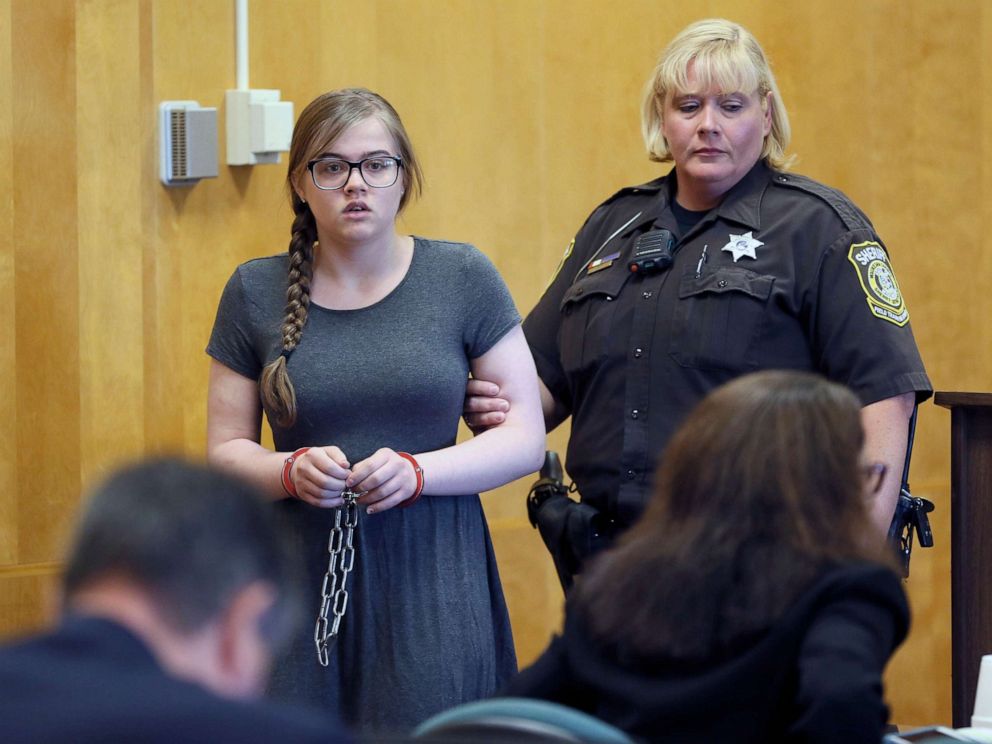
333 592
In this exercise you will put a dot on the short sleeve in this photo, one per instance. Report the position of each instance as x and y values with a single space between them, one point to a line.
543 323
231 341
488 306
859 322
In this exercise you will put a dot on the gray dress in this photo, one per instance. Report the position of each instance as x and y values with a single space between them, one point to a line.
426 626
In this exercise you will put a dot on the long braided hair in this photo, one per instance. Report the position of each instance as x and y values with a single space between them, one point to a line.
321 123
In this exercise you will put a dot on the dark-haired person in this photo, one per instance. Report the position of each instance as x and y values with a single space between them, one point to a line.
176 592
357 345
766 269
752 602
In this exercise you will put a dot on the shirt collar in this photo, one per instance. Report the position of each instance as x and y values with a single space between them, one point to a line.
742 204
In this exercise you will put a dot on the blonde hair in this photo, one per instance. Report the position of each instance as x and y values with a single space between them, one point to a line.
324 120
723 55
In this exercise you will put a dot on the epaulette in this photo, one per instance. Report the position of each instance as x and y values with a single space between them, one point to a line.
852 217
651 187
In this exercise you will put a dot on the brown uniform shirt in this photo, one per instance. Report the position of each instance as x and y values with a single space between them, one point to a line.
785 273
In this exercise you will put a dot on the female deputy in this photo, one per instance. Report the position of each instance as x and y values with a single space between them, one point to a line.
740 266
751 602
360 362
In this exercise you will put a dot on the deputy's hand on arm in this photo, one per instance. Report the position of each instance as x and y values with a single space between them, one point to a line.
385 480
483 406
501 453
496 456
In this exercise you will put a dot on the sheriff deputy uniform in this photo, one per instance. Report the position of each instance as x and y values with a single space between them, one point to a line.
785 273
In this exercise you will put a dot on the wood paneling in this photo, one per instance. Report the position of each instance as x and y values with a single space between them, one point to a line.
111 190
8 330
46 264
29 598
526 115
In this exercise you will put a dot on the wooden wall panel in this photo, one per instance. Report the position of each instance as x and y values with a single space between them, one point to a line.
29 598
46 292
161 365
111 232
526 115
8 330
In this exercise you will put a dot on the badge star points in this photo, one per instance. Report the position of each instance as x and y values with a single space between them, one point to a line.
742 245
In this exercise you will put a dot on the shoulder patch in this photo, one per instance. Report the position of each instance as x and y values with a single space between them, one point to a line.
564 258
878 281
852 217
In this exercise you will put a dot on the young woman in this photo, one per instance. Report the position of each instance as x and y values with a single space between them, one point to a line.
753 601
357 345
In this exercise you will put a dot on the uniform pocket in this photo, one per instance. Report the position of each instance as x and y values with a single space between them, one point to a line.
717 318
587 312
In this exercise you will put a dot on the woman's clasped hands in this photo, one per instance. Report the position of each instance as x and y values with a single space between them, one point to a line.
382 481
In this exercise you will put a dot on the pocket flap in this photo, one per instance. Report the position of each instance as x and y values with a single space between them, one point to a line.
727 280
608 282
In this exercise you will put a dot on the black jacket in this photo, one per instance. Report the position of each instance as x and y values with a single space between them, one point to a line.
816 676
91 680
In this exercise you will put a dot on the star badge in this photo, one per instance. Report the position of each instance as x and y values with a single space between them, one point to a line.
742 245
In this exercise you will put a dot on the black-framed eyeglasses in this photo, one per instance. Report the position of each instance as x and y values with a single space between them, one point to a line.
379 172
874 475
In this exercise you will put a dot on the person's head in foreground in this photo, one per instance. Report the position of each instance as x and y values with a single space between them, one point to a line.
190 561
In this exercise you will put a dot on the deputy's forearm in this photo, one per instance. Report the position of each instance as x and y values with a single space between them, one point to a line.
886 425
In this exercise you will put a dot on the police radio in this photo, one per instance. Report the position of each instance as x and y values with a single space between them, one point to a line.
652 252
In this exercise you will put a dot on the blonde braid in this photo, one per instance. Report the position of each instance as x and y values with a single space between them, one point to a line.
275 387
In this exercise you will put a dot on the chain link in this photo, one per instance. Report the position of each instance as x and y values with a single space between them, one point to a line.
341 559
